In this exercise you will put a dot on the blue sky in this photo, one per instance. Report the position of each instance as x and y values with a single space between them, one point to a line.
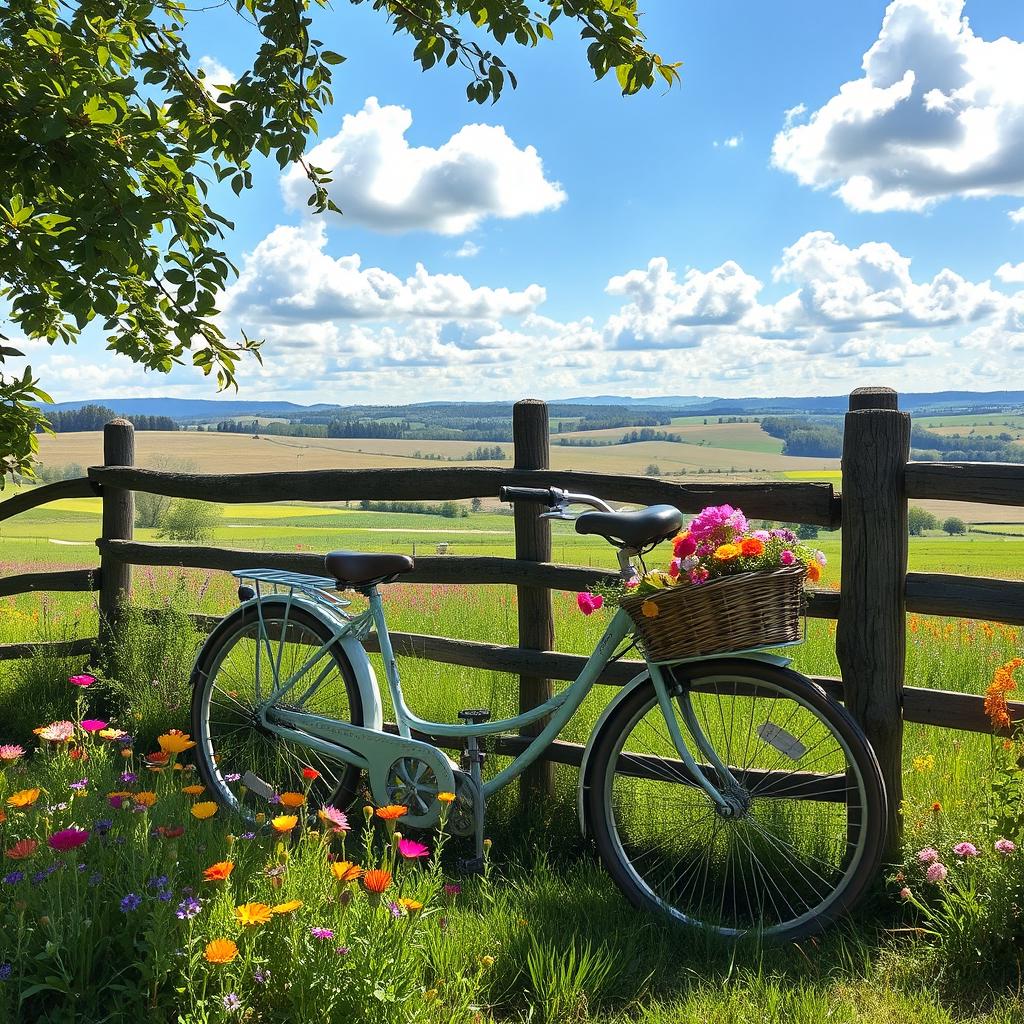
696 241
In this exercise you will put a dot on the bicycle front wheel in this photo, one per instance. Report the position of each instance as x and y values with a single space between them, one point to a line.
804 834
235 671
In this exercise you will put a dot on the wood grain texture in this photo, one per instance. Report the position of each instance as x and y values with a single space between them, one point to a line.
871 633
48 649
60 581
787 501
118 524
966 597
992 483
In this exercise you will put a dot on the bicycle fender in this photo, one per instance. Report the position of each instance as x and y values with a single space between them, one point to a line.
775 660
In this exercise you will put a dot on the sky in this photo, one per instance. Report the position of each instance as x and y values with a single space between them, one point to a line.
832 197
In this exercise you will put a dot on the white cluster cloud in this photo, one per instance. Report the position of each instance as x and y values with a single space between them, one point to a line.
938 112
383 183
829 315
288 278
1011 273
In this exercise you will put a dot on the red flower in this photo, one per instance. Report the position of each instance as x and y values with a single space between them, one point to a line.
68 839
171 831
310 773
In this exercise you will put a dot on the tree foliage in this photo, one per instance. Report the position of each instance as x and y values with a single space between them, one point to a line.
190 520
920 519
954 526
111 137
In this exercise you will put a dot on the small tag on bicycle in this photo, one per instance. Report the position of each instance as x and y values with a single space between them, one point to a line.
784 742
256 785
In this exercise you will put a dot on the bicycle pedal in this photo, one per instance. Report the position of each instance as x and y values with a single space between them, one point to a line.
470 866
476 716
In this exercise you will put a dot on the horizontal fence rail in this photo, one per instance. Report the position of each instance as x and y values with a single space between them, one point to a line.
815 504
61 581
989 483
83 487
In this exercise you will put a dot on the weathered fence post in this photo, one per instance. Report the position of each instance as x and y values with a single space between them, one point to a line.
536 622
118 522
871 634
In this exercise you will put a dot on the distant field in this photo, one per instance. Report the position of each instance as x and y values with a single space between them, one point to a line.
745 437
980 425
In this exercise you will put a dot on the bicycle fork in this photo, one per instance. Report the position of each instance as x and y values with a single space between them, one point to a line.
732 800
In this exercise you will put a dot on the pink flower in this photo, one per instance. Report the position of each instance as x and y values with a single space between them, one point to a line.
819 557
589 603
82 680
936 873
11 751
717 524
905 893
335 820
1005 846
928 855
699 575
93 724
965 850
673 568
787 557
684 546
451 890
410 849
632 583
58 732
68 839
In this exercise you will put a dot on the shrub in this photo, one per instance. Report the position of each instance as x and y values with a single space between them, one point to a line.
919 520
954 526
190 520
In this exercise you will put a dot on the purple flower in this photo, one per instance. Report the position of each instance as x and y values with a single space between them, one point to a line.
188 908
321 933
396 910
5 971
158 883
232 777
247 835
1005 846
103 826
785 535
260 976
342 951
231 1002
80 784
965 850
165 895
129 777
95 878
452 890
14 877
936 872
130 902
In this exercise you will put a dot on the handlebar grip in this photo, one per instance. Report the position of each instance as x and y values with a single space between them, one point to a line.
540 494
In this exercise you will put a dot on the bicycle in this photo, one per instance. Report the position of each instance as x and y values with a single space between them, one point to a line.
728 792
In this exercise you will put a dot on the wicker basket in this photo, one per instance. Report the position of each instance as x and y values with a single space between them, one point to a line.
734 613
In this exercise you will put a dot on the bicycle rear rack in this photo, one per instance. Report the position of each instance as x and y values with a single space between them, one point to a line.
322 589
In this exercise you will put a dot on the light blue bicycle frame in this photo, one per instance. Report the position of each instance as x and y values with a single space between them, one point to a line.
373 751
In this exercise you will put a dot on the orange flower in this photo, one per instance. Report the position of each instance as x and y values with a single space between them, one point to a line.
936 807
1002 683
175 742
391 812
206 809
23 798
23 849
194 790
377 881
157 759
218 872
409 906
147 798
751 547
286 908
221 951
345 871
284 822
650 609
726 552
3 816
291 799
250 914
814 572
445 798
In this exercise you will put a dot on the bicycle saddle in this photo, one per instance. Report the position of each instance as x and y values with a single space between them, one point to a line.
357 568
632 529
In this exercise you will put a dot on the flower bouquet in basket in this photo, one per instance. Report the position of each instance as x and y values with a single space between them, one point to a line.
726 588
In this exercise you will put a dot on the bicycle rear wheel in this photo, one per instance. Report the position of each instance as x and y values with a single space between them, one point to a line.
805 837
234 672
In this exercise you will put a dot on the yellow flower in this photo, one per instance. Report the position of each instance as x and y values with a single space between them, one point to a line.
392 812
345 871
175 742
487 961
220 951
925 763
727 552
147 798
193 790
249 914
284 822
291 799
206 809
445 798
409 906
111 734
286 908
23 798
650 609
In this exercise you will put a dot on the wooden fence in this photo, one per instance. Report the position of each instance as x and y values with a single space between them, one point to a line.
876 589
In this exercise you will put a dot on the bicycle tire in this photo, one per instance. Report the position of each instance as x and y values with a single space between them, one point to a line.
337 783
620 849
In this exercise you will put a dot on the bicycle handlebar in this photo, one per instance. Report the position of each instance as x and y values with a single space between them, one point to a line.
544 495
